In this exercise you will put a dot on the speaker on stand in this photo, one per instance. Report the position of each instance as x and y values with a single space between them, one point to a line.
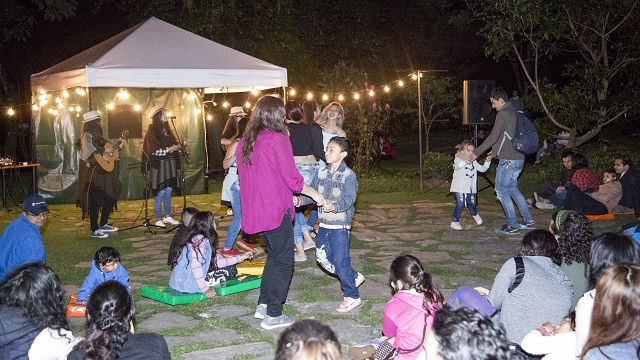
476 110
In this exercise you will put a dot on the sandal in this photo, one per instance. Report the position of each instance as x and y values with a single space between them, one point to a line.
348 304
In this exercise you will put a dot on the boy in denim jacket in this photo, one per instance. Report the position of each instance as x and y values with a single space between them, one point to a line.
338 184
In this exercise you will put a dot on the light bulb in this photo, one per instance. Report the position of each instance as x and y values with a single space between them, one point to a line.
309 96
414 76
11 112
386 88
42 92
60 106
78 108
71 108
50 111
356 96
136 107
192 96
123 94
58 100
247 105
110 106
325 97
371 93
81 91
55 112
209 117
35 107
254 92
225 104
65 94
292 92
340 97
400 83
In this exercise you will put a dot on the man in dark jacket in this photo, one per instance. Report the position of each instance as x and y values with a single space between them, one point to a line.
629 178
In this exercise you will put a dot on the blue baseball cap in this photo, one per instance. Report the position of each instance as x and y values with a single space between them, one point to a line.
34 204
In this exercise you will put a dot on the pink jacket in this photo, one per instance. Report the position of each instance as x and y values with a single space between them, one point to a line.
267 183
404 318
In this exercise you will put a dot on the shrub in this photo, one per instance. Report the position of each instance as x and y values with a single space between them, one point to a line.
438 165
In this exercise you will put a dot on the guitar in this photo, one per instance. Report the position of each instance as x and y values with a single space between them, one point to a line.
107 160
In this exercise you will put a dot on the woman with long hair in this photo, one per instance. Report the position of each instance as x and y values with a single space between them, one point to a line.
615 322
607 250
268 179
307 150
575 235
99 188
110 333
159 160
33 322
330 120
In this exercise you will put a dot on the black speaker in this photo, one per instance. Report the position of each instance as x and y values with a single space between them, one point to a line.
476 109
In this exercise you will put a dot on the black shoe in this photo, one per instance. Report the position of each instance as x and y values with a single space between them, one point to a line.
527 225
506 230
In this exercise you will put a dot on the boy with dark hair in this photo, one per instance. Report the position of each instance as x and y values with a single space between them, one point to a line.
629 178
545 197
105 266
338 184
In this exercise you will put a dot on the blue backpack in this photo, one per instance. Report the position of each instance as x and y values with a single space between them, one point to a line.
525 140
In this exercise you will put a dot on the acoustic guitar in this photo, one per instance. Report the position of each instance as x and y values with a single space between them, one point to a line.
107 160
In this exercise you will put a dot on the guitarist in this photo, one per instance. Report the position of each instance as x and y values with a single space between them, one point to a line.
99 189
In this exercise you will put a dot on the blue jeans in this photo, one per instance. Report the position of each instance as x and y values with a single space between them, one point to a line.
163 197
559 198
507 189
234 227
461 198
313 217
309 174
278 269
299 226
332 248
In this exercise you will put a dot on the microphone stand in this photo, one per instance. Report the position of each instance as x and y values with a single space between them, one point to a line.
147 189
181 176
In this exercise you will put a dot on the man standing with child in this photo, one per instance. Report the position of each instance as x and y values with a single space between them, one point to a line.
510 164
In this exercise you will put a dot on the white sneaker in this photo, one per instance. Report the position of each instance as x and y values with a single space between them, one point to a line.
159 223
261 311
478 219
456 225
359 280
170 220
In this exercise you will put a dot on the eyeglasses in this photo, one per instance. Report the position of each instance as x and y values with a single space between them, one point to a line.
42 214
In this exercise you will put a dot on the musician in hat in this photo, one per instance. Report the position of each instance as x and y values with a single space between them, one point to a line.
100 185
160 154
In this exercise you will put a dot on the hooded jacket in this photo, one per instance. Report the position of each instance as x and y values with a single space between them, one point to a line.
404 318
97 276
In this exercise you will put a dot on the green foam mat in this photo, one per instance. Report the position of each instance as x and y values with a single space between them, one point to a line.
167 295
241 283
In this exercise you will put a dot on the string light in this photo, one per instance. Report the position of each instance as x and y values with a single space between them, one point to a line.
309 96
340 97
35 107
78 108
65 94
192 96
400 83
292 92
58 100
325 97
247 105
254 91
123 94
11 112
209 117
371 93
80 91
136 107
55 112
60 106
386 88
225 104
355 96
414 76
110 106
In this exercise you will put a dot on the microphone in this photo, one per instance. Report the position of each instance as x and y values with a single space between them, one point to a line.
171 117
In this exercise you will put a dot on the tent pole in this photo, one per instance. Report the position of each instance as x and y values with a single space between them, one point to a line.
206 150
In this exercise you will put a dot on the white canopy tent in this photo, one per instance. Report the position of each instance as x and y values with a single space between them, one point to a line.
157 64
156 54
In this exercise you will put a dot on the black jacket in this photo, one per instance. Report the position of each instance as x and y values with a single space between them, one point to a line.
17 333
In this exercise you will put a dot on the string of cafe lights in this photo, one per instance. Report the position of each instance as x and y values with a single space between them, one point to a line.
45 98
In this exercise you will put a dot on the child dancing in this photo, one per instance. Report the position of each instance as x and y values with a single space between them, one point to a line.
193 254
465 182
105 266
338 185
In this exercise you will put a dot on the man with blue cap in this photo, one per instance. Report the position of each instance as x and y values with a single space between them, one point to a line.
21 242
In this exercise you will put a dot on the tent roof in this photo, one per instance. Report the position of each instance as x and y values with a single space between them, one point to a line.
156 54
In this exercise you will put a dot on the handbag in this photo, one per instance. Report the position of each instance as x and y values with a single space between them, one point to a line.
386 351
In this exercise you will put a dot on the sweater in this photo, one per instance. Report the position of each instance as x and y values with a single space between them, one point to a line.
20 243
560 346
403 318
506 120
608 194
544 294
627 350
146 346
268 182
97 276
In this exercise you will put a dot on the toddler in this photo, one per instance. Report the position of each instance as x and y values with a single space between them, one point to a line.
464 185
105 266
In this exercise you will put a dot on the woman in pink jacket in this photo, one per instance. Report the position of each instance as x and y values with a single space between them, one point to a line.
268 178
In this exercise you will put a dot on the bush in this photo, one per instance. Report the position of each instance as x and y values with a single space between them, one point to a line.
438 165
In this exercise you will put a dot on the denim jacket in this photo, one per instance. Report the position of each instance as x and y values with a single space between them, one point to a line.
339 188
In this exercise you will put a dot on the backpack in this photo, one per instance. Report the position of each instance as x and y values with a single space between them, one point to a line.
525 140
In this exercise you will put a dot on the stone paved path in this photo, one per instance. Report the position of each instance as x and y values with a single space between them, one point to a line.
224 327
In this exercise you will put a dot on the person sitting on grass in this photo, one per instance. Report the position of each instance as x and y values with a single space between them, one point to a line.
549 190
465 334
104 266
308 340
598 202
338 184
544 293
186 216
553 341
33 323
110 333
193 254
